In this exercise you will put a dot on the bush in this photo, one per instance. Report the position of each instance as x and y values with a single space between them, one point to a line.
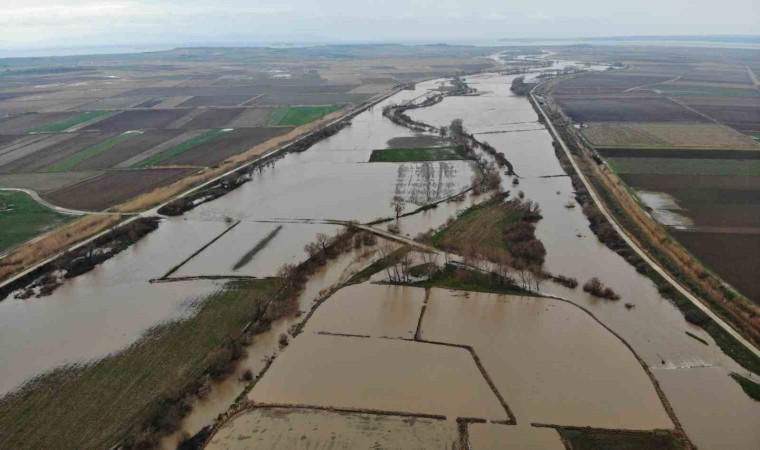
596 288
697 317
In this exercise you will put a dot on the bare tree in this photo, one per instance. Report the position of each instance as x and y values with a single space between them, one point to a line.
406 264
398 205
386 248
323 240
312 248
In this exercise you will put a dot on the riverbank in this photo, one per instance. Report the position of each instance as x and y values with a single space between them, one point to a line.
600 187
80 232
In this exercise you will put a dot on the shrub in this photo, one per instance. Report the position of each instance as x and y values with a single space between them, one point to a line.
596 288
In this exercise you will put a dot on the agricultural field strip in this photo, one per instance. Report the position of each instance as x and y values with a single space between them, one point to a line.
299 115
185 146
72 161
213 180
676 166
24 147
173 142
85 117
622 232
657 135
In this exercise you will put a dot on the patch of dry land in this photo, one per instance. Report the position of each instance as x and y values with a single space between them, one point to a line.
652 134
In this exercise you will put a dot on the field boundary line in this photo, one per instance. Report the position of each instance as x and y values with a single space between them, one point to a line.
624 234
135 215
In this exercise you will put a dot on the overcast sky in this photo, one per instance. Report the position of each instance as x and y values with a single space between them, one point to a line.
79 23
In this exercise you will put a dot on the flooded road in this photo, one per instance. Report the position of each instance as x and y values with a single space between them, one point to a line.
109 308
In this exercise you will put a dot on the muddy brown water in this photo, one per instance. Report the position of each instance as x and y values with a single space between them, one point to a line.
488 436
654 328
370 310
378 374
552 362
333 180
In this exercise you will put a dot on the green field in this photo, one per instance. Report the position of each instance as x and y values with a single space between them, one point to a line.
299 115
96 405
677 166
445 153
72 161
750 387
181 148
22 218
57 127
596 439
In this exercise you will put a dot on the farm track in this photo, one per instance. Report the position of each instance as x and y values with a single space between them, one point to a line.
631 242
61 209
153 211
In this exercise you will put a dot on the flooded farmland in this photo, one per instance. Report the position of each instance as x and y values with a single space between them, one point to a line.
551 362
286 429
570 368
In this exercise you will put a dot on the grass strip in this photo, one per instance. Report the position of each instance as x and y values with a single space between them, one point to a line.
181 148
57 127
412 154
22 218
595 439
462 279
392 259
299 115
678 166
97 405
75 159
748 386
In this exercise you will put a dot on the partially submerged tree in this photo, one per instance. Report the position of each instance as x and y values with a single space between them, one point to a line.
398 204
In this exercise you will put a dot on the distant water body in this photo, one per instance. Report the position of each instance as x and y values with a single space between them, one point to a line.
74 51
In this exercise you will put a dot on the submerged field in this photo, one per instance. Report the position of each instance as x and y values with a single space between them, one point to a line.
94 405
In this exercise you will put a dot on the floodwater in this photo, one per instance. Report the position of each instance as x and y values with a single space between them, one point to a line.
224 393
104 310
304 429
552 362
109 308
654 327
378 374
491 437
665 209
286 246
712 407
370 310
